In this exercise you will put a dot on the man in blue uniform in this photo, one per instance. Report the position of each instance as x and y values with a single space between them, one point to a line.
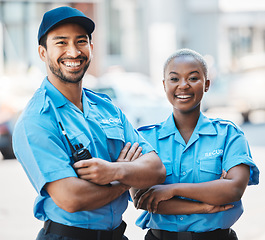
78 199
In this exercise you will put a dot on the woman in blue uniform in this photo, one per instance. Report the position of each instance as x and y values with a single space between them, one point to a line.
195 150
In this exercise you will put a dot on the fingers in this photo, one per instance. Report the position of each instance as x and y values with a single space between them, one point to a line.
134 152
137 154
223 208
227 207
124 152
147 201
224 174
141 196
82 164
215 209
130 152
152 205
95 170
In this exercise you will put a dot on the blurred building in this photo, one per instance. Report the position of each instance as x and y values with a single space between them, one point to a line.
139 35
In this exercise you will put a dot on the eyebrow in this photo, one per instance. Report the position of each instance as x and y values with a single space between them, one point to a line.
173 73
195 72
63 37
189 73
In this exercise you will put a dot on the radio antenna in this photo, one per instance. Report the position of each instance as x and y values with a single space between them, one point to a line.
70 144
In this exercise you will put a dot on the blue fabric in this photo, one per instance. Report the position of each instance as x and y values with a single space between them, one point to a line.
215 144
45 155
63 15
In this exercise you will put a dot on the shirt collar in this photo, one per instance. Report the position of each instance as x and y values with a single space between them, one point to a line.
59 99
56 96
204 126
168 127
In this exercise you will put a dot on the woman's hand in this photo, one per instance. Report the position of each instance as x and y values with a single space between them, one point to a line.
215 209
152 196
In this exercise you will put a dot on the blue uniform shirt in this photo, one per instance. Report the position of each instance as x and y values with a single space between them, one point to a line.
44 153
215 144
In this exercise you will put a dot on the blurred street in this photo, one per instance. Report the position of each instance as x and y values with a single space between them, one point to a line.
16 201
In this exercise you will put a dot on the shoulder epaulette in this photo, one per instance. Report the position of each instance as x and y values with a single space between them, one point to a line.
226 122
147 127
102 95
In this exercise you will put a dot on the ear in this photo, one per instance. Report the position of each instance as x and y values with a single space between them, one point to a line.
164 84
207 85
42 53
91 46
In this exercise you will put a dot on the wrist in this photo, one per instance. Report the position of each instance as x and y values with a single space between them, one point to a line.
122 187
206 208
119 171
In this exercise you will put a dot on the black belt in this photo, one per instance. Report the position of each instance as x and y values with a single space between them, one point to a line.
218 234
83 233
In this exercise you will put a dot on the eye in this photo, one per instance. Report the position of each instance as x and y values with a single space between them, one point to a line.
174 79
82 41
193 78
60 43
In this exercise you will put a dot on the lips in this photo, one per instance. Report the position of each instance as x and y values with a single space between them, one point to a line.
183 96
71 64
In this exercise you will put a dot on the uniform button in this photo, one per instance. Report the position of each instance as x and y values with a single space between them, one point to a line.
184 173
181 218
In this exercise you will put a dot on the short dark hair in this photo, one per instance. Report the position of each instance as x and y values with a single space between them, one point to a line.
43 41
188 52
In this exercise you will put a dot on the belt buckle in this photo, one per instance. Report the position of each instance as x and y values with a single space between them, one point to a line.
184 236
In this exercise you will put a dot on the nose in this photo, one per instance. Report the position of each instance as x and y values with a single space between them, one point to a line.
183 84
73 51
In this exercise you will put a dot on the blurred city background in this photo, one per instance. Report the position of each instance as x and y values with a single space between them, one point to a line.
132 40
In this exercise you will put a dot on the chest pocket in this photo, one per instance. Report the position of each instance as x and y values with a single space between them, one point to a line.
210 168
78 139
115 139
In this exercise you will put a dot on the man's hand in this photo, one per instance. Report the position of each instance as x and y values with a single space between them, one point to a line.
129 153
102 172
96 170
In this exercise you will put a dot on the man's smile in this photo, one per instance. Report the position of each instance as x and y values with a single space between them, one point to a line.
72 64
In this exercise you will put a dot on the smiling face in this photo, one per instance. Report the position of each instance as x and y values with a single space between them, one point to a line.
68 53
185 83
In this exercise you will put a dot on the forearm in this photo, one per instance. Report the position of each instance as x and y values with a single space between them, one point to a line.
143 172
217 192
204 192
74 194
176 206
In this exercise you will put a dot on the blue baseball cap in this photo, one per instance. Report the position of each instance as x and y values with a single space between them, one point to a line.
62 15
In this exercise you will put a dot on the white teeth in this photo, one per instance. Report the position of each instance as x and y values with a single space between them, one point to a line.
72 64
183 96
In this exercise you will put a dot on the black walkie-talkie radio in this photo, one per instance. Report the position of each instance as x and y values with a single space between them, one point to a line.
79 152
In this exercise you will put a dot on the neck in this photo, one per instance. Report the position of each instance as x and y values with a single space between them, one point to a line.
186 122
72 91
